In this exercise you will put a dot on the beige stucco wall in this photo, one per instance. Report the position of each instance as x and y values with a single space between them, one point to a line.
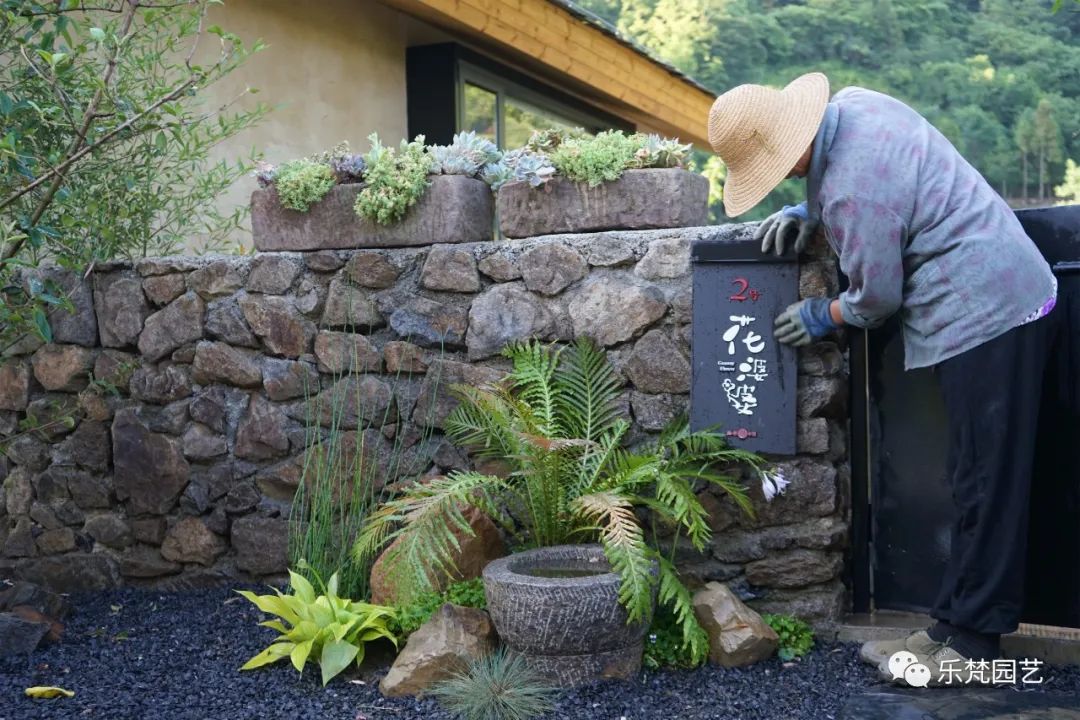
333 69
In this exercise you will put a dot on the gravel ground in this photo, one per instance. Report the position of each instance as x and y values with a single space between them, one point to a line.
137 654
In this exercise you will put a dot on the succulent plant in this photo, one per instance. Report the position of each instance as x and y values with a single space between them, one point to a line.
659 152
264 173
545 141
302 183
395 180
467 155
520 164
348 168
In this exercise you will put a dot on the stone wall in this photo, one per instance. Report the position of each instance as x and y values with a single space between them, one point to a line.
166 420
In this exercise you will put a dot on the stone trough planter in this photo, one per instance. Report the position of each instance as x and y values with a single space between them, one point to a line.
569 628
454 209
639 200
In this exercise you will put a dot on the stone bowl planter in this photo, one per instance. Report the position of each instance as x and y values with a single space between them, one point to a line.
559 608
454 209
639 200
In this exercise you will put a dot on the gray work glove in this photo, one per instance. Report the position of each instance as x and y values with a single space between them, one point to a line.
805 321
792 223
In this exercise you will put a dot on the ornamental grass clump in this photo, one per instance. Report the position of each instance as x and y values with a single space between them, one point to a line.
498 686
555 421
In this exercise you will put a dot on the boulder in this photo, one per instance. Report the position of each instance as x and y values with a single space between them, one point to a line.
150 469
212 406
190 541
75 572
272 274
88 446
665 258
284 331
178 323
160 385
218 362
261 544
20 636
218 278
451 269
121 308
371 269
225 322
20 539
163 289
350 307
339 352
550 268
27 594
90 492
500 266
288 379
353 401
426 322
504 313
56 541
657 366
795 568
242 498
18 492
470 558
62 367
144 562
262 433
445 645
737 635
406 358
14 384
654 412
202 443
612 310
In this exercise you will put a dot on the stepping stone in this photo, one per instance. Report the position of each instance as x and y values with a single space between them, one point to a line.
961 704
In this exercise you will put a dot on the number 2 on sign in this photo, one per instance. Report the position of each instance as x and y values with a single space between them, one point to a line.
745 291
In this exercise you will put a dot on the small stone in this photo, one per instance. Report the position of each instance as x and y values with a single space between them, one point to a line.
121 308
115 368
163 289
262 434
161 385
612 311
655 412
820 358
80 326
68 513
75 572
14 384
404 357
272 274
812 436
323 261
151 266
190 541
88 446
283 330
812 492
90 492
217 521
609 251
505 313
339 352
820 605
261 544
354 400
109 529
184 355
19 636
26 594
551 268
435 402
45 516
211 407
795 568
62 367
309 297
429 323
218 362
280 482
150 469
171 419
371 269
18 492
818 279
350 307
450 268
242 498
221 277
202 443
56 628
288 379
146 562
822 397
178 323
447 644
196 497
500 266
51 486
225 322
657 366
54 542
149 530
665 258
20 539
737 635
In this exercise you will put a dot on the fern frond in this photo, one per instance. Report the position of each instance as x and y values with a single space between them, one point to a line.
482 421
624 545
678 494
588 390
674 594
532 380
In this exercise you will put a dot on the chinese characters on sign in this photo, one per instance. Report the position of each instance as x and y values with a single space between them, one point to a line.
743 380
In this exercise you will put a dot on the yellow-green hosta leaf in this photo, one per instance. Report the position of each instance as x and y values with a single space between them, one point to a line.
301 587
270 655
336 656
50 692
304 630
332 586
275 625
299 655
273 604
375 634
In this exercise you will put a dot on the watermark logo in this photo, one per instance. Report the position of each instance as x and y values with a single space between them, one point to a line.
906 666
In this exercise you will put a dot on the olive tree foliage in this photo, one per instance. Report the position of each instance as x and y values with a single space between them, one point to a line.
106 140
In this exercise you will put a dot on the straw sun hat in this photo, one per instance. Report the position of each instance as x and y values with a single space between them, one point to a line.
760 133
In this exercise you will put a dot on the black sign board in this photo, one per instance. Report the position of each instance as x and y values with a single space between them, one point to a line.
743 380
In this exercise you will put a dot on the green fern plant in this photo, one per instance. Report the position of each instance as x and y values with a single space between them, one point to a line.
555 420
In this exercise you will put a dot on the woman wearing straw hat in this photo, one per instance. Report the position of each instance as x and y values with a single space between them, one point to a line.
918 231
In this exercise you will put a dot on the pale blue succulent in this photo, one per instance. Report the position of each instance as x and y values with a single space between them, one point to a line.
531 167
660 152
348 168
467 155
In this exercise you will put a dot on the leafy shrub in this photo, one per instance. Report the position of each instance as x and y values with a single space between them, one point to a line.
329 629
302 183
409 618
555 420
497 687
665 646
796 637
395 180
595 160
469 154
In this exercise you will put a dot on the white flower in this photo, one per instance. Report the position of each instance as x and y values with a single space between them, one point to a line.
773 484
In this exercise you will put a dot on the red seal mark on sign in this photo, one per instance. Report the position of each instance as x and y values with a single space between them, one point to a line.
741 433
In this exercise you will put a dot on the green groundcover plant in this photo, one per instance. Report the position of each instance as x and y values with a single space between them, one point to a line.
556 421
409 617
796 637
326 628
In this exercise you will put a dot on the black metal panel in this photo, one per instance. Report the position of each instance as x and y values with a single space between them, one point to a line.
743 381
431 73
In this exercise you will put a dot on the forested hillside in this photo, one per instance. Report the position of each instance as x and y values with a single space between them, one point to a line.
1001 78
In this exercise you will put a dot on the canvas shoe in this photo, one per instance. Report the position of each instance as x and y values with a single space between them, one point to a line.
878 651
941 666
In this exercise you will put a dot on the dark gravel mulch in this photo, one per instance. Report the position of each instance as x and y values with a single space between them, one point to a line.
138 654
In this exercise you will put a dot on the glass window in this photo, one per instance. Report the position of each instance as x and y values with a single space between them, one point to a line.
480 111
521 119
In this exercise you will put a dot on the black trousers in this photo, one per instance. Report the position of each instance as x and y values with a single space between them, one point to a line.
992 396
